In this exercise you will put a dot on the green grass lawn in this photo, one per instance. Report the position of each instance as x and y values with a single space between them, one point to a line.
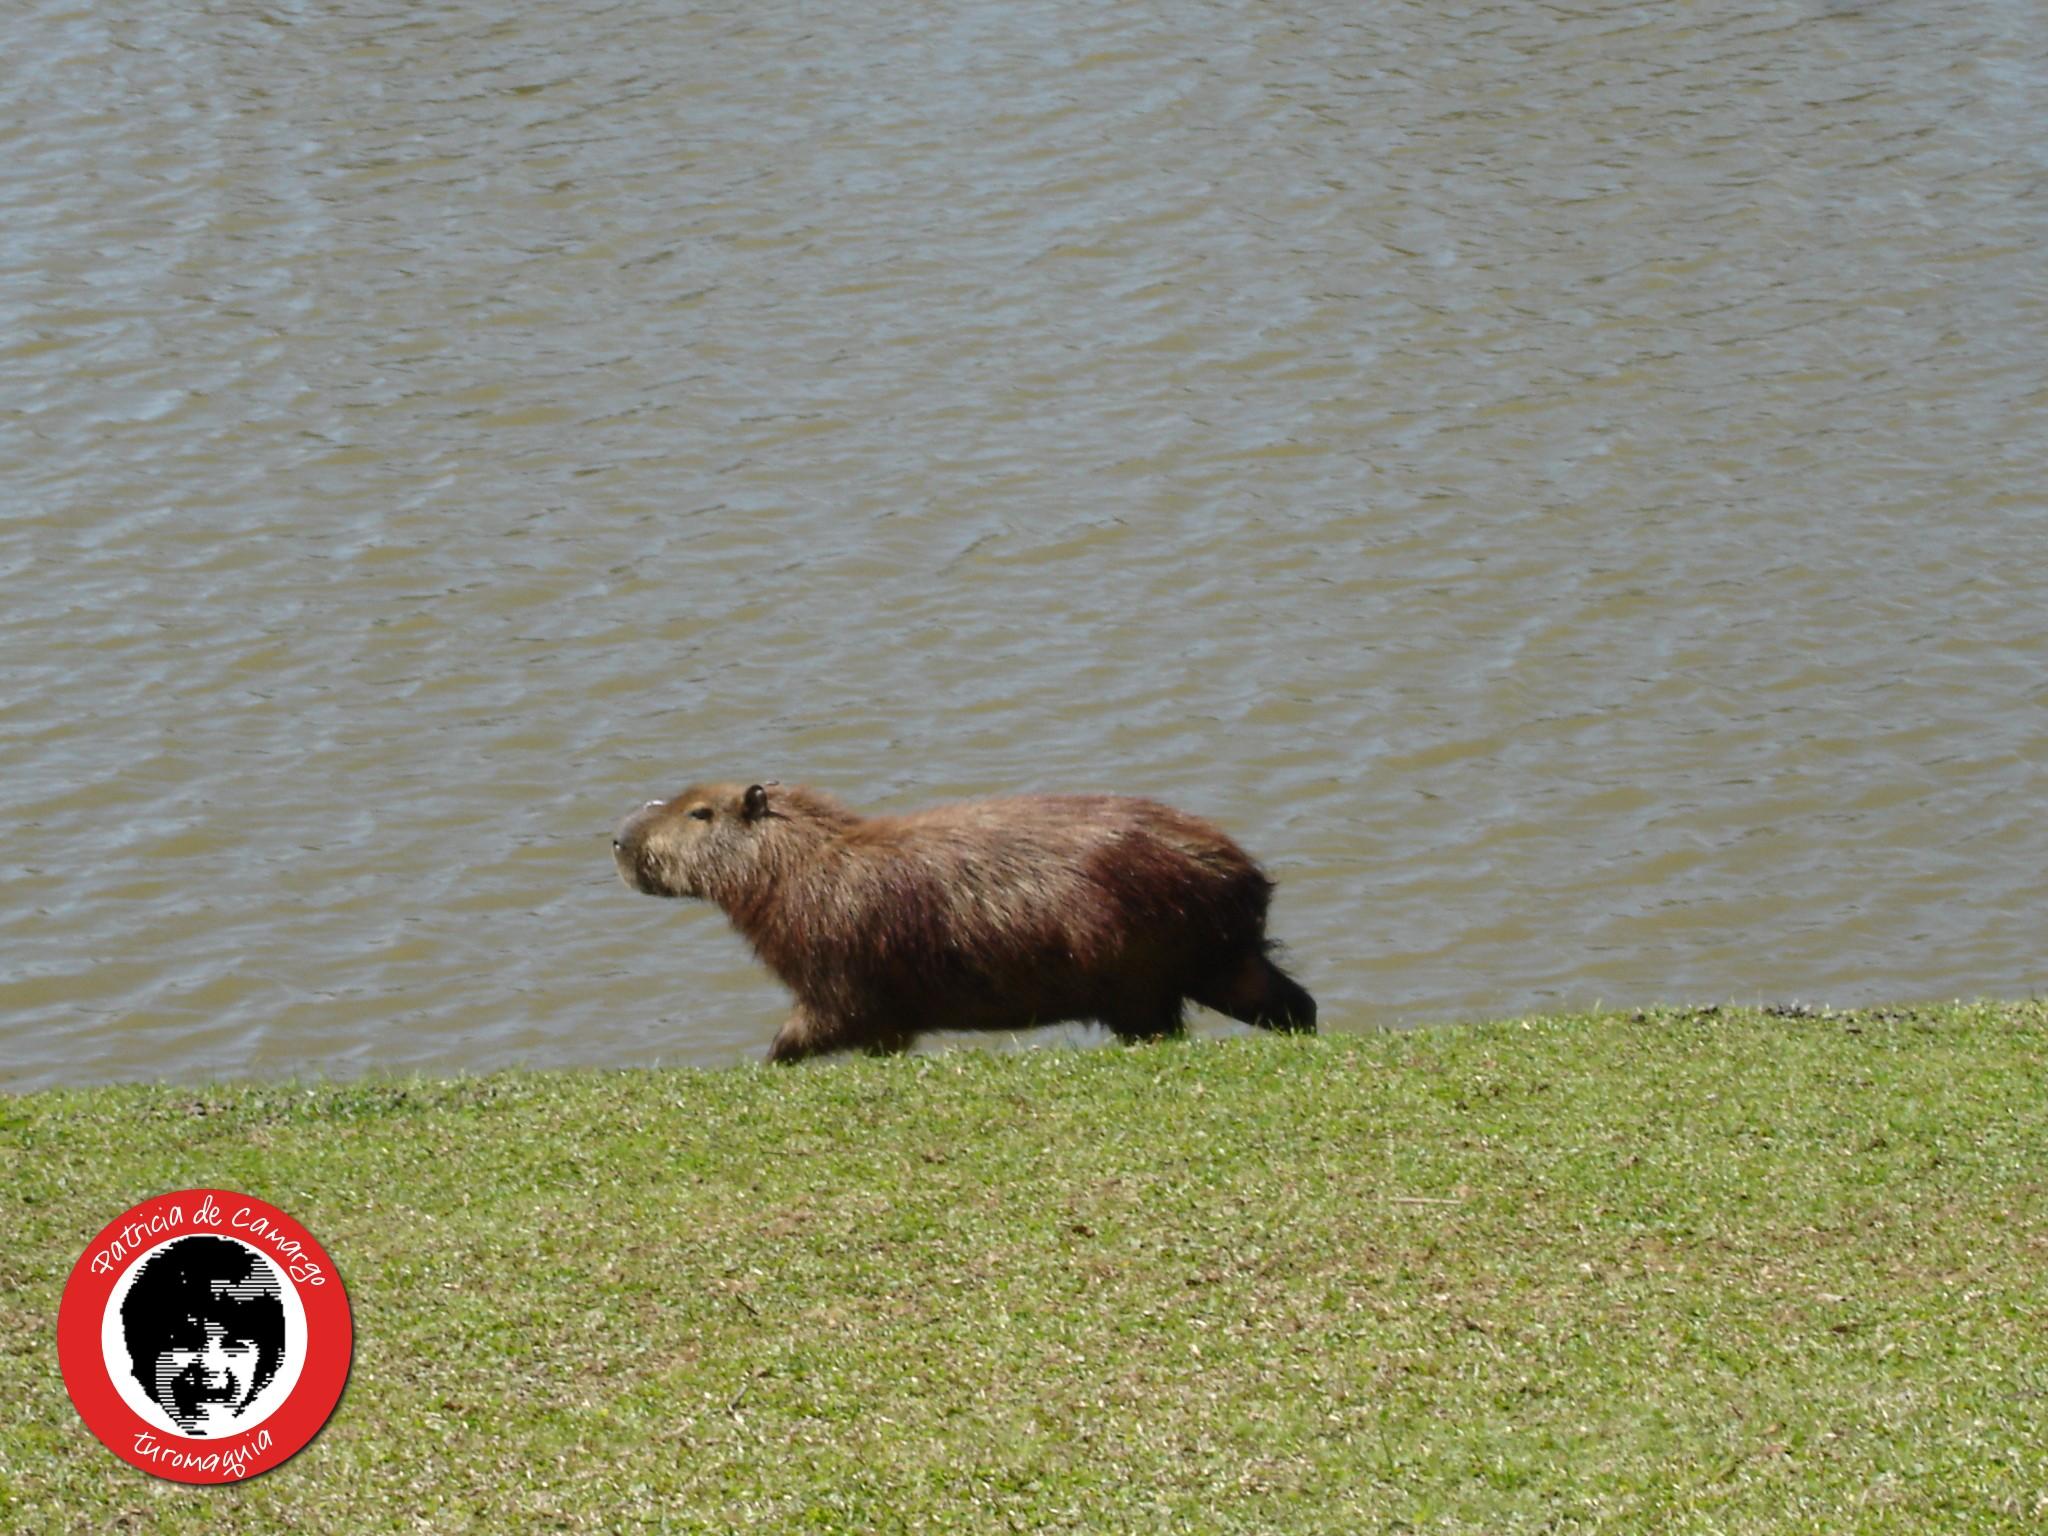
1713 1271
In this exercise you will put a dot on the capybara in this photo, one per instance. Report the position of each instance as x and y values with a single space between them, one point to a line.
989 914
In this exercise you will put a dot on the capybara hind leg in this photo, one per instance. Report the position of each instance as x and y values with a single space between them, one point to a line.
1157 1018
1288 1005
1256 991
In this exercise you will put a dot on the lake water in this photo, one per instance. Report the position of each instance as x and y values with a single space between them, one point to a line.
1564 486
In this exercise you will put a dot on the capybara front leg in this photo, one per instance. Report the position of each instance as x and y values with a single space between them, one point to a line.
797 1039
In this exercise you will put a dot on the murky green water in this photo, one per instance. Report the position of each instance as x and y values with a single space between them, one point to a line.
1565 487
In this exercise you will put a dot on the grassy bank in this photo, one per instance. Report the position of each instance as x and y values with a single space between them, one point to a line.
1684 1272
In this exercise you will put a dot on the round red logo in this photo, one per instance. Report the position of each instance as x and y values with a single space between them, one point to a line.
204 1336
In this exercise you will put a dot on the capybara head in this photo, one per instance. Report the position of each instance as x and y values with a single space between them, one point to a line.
683 846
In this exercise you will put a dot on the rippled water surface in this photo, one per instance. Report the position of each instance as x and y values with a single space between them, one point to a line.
1565 486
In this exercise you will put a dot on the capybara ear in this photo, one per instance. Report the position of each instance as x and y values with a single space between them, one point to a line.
754 805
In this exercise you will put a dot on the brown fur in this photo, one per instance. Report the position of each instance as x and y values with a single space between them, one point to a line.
989 914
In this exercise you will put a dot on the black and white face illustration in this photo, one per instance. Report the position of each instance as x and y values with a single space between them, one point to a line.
204 1323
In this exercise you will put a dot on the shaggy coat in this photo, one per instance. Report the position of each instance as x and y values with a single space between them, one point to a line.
990 914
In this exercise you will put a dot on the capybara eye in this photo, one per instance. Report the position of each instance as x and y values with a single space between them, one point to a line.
701 812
